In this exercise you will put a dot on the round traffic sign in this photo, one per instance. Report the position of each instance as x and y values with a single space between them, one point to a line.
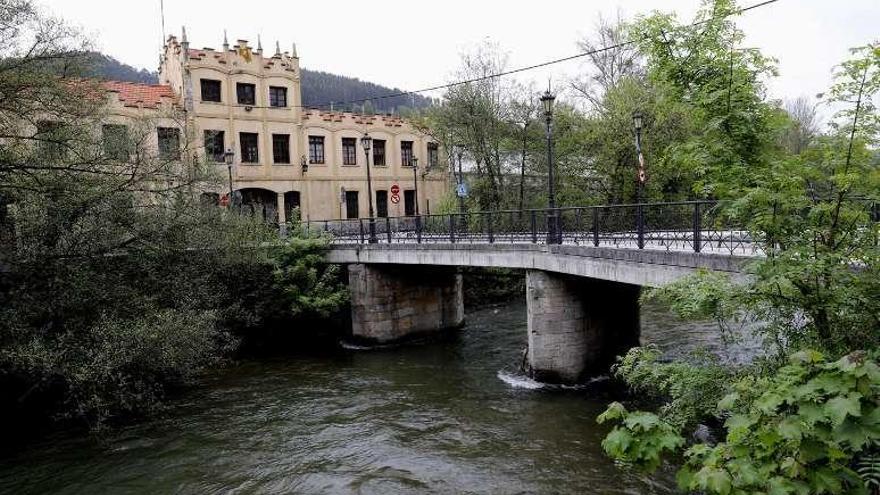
395 198
395 189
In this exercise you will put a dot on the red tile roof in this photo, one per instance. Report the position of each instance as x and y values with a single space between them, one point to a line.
137 95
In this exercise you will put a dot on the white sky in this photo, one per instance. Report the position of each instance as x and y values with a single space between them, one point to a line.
411 44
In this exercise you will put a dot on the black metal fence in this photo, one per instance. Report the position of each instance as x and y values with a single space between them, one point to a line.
694 226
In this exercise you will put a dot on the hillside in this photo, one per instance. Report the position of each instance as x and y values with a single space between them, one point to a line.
318 87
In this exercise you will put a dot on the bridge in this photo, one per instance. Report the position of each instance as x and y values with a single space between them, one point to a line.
584 269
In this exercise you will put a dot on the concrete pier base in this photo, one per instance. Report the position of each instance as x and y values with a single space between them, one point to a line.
391 302
577 326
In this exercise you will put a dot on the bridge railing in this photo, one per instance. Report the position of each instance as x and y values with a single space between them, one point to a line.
695 226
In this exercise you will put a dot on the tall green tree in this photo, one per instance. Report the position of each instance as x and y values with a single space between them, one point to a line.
806 419
703 65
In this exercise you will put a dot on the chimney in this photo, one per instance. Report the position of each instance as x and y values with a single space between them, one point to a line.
225 42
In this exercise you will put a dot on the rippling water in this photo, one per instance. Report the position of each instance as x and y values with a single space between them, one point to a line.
444 417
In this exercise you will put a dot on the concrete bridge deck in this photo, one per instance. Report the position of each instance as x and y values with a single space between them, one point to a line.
642 267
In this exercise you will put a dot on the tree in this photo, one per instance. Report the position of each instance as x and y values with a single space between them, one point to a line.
118 282
612 58
804 126
703 66
803 419
476 117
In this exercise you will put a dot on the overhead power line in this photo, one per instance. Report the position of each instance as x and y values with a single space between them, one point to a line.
529 67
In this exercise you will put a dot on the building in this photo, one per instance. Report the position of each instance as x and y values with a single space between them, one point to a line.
285 156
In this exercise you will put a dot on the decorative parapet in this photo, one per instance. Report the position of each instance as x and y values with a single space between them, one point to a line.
353 118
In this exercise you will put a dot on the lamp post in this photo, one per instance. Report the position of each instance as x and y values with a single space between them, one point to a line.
415 163
640 185
637 124
229 157
553 233
459 150
367 143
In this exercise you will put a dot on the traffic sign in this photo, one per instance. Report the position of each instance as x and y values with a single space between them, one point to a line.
462 190
395 189
395 198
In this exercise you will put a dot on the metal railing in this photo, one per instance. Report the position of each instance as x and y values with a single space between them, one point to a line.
695 226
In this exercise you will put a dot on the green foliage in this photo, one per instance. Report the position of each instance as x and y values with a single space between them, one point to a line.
805 429
701 66
801 423
116 283
689 389
641 438
868 467
309 285
703 295
799 431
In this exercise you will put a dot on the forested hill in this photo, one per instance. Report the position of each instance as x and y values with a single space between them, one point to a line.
321 88
318 88
107 67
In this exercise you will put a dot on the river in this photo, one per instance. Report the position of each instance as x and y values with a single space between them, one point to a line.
442 417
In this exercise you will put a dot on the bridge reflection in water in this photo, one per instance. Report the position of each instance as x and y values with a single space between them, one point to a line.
583 278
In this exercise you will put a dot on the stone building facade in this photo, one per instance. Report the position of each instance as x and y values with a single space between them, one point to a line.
285 156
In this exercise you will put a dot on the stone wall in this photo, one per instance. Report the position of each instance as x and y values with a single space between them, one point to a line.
391 303
577 326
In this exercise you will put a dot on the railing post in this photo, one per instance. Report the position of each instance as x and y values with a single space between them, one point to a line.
489 227
388 228
698 230
640 225
596 226
361 225
534 227
418 229
452 228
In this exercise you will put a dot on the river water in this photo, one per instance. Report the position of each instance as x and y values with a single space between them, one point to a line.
441 417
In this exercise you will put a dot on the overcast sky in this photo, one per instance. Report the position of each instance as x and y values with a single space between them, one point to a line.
411 44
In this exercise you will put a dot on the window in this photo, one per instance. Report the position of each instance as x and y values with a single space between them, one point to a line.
409 202
115 138
349 151
210 90
250 148
247 93
433 155
169 143
277 96
406 153
381 204
215 146
316 149
292 206
351 204
281 148
379 152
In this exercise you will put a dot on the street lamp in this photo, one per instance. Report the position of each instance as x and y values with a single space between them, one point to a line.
415 164
553 233
229 157
367 143
640 212
637 124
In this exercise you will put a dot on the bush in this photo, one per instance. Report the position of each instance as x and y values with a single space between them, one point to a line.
813 427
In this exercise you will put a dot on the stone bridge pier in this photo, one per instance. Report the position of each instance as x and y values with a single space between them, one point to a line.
577 325
395 302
